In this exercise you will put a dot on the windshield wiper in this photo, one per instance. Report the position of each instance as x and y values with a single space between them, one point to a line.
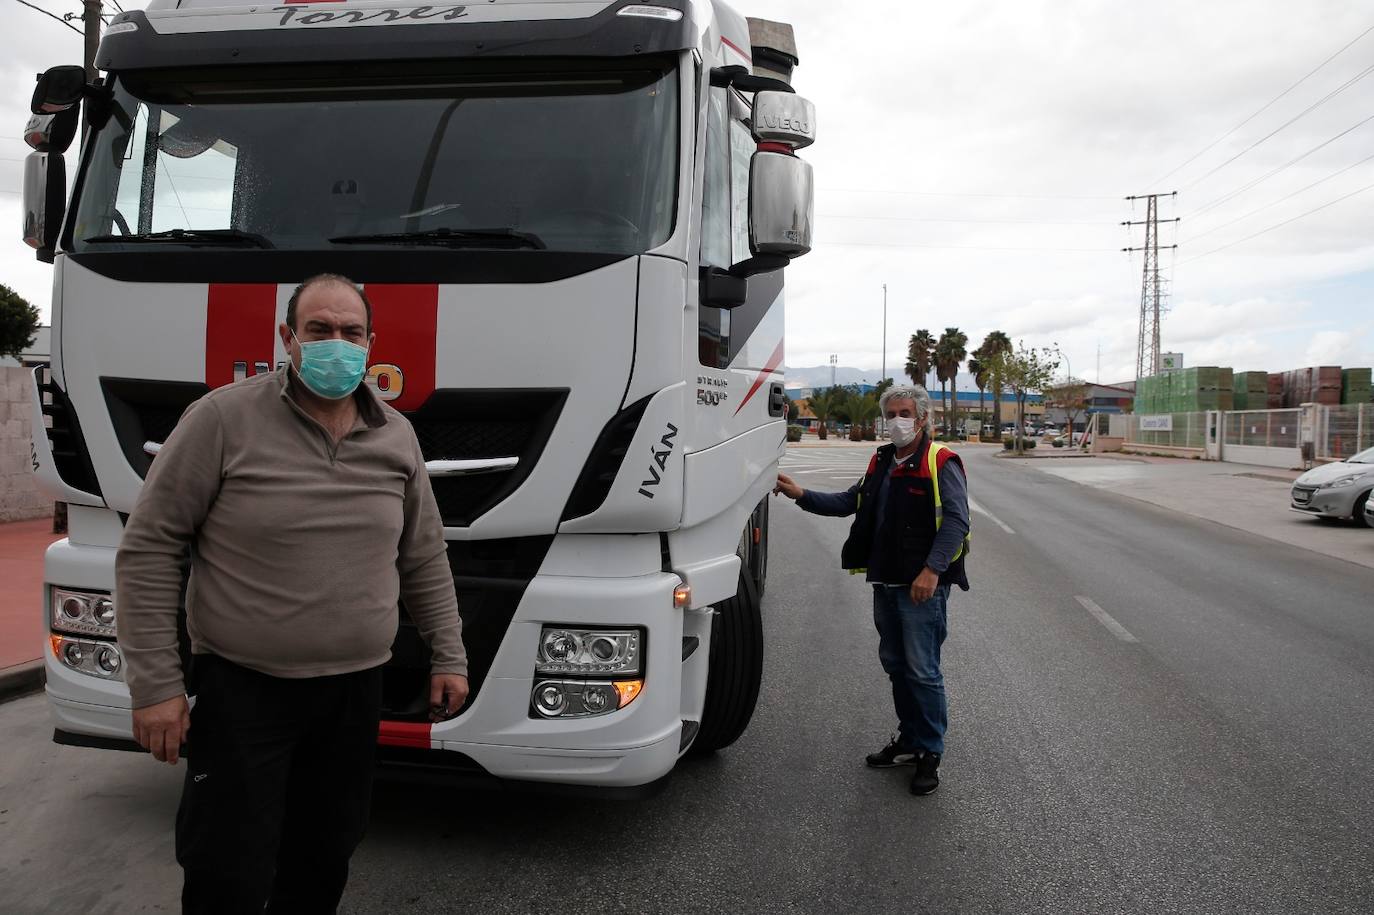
452 238
234 237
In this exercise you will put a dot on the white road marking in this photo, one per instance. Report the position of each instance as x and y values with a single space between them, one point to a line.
1105 619
973 504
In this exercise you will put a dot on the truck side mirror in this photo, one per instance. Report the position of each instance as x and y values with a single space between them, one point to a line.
781 201
52 132
781 186
45 198
58 89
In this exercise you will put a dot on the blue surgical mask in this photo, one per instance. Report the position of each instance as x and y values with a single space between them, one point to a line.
333 369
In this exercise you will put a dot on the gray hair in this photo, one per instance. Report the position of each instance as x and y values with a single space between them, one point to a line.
917 395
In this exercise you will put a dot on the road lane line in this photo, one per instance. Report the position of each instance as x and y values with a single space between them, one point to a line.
1105 619
973 504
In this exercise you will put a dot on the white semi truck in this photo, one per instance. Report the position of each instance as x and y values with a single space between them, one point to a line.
571 217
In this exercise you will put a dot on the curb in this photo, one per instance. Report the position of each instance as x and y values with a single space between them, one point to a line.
21 679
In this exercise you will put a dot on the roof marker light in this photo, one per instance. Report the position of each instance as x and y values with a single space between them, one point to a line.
651 12
120 28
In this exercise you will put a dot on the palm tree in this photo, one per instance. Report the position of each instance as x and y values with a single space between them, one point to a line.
824 402
861 410
994 343
919 352
980 378
949 352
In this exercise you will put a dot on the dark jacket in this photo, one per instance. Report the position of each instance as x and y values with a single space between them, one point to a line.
907 541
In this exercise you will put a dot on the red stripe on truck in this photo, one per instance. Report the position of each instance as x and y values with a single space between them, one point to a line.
404 734
774 361
405 319
240 326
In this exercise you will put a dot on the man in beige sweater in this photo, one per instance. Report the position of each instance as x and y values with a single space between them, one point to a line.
308 513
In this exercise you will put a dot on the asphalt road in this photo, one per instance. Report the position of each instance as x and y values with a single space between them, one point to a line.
1149 713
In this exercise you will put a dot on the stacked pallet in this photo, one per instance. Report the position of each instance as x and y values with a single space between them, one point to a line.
1355 386
1275 398
1314 384
1191 390
1250 391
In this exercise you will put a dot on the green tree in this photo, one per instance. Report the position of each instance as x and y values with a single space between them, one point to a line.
861 410
825 403
1024 372
950 351
1071 396
793 411
980 378
920 350
994 343
18 323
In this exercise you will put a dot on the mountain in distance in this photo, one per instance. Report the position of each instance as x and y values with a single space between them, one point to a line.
819 376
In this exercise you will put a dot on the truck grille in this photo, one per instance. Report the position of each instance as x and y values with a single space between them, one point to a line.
482 423
490 577
453 424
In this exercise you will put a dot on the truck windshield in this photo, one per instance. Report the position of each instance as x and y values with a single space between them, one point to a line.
581 162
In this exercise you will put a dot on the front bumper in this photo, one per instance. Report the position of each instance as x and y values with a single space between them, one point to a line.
633 746
1326 503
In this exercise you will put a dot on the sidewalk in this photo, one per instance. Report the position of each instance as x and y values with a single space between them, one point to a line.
1241 496
22 544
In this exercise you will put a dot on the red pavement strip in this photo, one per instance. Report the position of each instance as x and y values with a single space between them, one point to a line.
22 632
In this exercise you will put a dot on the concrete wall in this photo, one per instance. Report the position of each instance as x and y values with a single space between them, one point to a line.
20 499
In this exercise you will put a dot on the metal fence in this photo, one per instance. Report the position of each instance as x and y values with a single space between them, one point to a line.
1171 430
1337 432
1261 428
1344 430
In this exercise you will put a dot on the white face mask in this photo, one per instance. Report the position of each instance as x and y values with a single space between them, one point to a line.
901 431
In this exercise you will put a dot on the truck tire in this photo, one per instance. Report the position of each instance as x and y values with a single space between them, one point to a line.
735 671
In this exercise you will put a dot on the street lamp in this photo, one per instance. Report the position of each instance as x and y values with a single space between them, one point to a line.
882 420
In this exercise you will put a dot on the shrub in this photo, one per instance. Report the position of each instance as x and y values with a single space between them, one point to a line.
794 433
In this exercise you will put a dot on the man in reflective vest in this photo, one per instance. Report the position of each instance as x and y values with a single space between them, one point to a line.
910 538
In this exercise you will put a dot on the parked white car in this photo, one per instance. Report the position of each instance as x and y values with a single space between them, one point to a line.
1337 490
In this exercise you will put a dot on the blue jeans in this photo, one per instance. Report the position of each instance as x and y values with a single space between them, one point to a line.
909 640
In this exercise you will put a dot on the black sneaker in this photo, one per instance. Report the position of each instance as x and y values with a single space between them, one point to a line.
927 778
894 754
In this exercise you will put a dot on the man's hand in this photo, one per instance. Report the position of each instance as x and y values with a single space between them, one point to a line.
447 693
787 487
161 729
923 588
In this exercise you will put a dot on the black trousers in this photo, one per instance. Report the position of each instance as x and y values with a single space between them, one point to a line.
278 788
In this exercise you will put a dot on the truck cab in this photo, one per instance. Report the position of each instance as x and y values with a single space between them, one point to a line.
572 218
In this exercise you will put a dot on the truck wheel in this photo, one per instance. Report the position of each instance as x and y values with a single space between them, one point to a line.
736 667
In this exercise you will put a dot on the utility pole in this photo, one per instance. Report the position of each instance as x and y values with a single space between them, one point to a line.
1151 291
884 374
90 18
882 421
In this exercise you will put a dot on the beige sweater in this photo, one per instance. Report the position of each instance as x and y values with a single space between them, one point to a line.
300 549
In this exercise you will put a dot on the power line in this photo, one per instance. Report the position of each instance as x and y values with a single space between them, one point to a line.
1014 222
117 6
1317 104
874 244
1280 224
1280 200
1264 107
52 16
1265 177
858 190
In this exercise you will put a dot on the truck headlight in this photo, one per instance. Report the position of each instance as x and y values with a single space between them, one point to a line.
83 612
95 659
582 698
585 652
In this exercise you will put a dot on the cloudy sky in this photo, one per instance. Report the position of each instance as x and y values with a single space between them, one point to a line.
974 156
